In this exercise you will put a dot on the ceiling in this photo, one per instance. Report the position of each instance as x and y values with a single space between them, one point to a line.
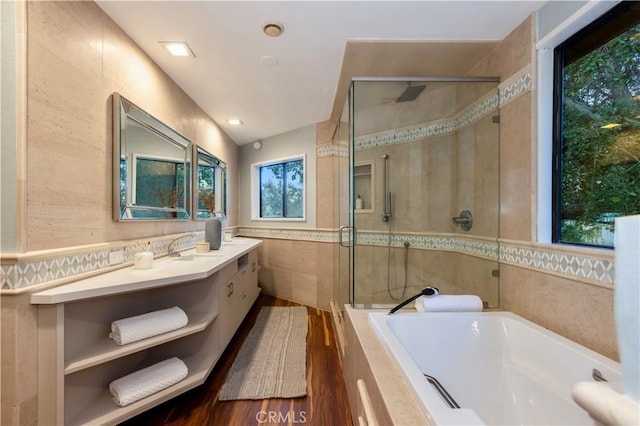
228 79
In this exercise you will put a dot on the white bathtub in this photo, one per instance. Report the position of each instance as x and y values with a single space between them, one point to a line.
500 368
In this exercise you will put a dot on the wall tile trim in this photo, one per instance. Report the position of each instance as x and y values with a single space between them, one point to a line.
590 266
20 271
596 267
510 89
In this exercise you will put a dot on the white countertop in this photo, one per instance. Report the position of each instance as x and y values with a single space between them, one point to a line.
165 271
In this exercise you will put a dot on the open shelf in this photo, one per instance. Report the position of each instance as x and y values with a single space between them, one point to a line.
103 410
106 350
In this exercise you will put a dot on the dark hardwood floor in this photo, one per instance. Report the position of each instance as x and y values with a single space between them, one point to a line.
325 404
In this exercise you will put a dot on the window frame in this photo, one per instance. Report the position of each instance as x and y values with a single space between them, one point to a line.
586 39
256 189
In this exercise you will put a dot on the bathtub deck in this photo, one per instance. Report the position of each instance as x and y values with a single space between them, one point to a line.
399 401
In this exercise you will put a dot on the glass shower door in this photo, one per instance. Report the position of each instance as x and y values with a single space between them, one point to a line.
421 153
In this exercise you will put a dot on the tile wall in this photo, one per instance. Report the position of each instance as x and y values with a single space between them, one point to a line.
76 57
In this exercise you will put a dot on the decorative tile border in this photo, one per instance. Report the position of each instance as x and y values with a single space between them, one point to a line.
481 108
583 267
23 274
299 234
478 247
332 151
576 266
516 85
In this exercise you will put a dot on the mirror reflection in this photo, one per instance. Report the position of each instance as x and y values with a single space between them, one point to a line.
210 182
154 161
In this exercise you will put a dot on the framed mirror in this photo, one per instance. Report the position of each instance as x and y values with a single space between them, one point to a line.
210 183
152 167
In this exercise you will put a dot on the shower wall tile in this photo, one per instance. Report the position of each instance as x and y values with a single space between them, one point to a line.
473 275
439 172
438 271
486 182
452 274
465 174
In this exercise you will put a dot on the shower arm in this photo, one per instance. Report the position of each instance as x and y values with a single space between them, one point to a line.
386 216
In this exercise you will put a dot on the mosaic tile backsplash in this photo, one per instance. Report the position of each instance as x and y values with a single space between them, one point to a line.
26 274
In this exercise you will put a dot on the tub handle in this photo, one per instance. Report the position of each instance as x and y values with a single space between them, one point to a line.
442 391
597 376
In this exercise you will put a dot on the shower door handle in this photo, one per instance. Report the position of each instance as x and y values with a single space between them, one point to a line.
351 242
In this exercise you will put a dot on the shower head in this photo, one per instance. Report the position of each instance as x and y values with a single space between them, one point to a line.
410 93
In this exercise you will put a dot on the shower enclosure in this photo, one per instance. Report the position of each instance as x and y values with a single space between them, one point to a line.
419 190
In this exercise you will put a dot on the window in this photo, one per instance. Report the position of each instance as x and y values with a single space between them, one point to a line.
281 189
596 124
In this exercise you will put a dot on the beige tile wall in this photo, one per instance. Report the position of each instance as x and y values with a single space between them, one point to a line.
301 271
76 58
19 361
580 311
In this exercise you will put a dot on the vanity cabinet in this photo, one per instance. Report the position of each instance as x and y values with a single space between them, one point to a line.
77 360
236 296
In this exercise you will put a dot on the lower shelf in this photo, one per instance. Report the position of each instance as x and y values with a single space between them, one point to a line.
104 411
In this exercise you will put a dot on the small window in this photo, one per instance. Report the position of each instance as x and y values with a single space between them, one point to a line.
281 189
596 170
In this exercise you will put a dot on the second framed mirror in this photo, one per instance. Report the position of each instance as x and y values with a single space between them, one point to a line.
210 183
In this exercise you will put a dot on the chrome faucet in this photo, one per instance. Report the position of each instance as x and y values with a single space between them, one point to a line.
170 250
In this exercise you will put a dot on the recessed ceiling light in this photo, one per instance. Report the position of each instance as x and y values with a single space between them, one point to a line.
273 29
234 121
610 126
178 48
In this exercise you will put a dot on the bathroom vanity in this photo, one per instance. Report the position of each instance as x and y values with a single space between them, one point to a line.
77 360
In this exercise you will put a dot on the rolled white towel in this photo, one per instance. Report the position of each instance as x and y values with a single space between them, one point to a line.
142 383
605 405
132 329
449 303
